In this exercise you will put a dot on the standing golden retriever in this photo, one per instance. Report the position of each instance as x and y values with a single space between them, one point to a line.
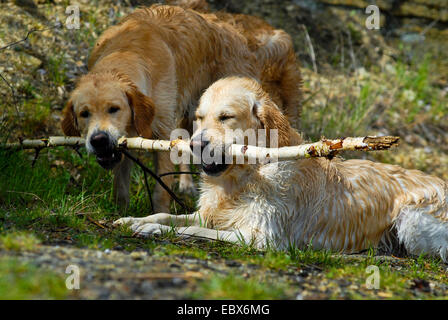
339 205
147 73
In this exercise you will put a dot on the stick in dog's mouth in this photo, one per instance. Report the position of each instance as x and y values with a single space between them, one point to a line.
215 160
109 160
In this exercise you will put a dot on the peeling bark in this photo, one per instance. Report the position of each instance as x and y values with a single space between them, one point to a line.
322 148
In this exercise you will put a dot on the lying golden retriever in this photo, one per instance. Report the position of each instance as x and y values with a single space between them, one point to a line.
340 205
147 73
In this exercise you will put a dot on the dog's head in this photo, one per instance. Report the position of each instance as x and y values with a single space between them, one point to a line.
104 107
233 110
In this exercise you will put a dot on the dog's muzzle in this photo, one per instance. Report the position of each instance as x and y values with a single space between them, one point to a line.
103 147
203 149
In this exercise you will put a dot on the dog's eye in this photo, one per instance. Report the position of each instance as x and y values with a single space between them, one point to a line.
85 114
113 109
225 117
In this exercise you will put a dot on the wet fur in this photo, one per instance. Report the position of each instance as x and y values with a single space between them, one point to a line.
162 58
346 206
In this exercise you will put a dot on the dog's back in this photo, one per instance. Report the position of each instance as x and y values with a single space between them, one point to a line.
280 70
349 205
204 50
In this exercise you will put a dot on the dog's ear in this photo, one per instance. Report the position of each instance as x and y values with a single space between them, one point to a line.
272 118
143 110
69 123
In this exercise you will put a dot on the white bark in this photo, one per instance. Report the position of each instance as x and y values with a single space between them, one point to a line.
321 148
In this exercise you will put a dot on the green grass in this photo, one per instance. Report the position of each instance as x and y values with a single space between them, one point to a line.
398 97
20 281
416 96
348 116
238 288
57 70
68 197
18 241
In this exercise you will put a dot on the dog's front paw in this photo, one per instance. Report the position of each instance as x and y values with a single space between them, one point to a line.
149 229
127 221
134 223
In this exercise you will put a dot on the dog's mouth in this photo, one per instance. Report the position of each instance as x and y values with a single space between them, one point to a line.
214 169
109 160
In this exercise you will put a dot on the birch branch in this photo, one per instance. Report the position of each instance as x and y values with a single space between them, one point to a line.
322 148
45 143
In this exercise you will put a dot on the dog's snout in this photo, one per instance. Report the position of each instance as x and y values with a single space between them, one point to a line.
103 147
99 140
198 143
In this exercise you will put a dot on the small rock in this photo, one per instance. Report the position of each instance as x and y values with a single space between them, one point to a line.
136 255
300 279
382 294
232 263
61 91
299 296
179 281
421 285
303 273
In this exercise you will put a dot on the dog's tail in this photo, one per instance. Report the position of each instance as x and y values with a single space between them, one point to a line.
272 45
422 224
280 71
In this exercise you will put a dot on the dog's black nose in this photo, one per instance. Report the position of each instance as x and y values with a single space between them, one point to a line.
99 140
198 143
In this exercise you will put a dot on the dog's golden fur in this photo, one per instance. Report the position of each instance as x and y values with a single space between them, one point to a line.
152 68
332 204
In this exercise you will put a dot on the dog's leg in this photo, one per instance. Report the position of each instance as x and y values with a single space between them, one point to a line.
122 175
161 197
238 237
186 184
186 225
181 220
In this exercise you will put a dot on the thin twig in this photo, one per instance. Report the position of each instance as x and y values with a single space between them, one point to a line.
95 222
14 97
36 155
428 27
76 148
311 48
148 191
27 35
13 44
352 52
178 172
156 177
